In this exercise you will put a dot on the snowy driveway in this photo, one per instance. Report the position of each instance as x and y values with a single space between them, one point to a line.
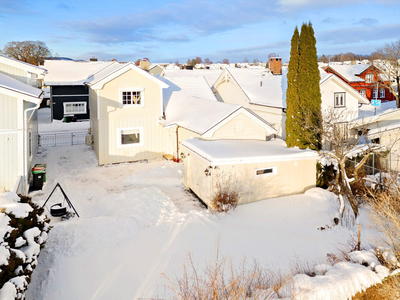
138 222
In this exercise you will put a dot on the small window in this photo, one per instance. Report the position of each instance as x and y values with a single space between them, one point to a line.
265 172
74 108
375 93
130 136
369 78
132 97
340 99
363 92
382 93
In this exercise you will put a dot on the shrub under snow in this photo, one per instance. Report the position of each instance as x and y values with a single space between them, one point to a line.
23 232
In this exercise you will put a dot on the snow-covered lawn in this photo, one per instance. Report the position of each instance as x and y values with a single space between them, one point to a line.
138 222
46 126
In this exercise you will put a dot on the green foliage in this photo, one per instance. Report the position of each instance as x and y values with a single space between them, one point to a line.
325 175
292 93
8 271
303 97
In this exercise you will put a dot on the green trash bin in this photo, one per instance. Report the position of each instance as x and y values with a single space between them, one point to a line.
40 169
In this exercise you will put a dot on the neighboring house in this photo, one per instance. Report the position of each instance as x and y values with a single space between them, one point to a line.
265 94
18 133
136 116
24 72
364 79
155 69
191 110
257 170
126 103
69 95
384 129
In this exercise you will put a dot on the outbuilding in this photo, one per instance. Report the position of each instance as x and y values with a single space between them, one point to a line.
256 169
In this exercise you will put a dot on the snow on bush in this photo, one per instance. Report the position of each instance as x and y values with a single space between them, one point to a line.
23 232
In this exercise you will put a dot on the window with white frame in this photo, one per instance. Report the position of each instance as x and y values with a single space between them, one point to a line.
130 136
375 93
132 96
340 99
363 92
369 78
71 108
265 172
382 93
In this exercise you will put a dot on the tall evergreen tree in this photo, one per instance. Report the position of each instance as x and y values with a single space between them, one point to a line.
292 93
305 110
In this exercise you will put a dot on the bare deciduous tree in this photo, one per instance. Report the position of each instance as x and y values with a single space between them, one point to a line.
389 66
33 52
225 61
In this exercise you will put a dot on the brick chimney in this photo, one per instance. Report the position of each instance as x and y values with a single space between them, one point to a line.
275 65
144 64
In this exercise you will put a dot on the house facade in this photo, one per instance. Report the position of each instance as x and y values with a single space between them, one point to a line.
126 104
69 95
365 79
265 95
18 133
23 72
136 116
384 129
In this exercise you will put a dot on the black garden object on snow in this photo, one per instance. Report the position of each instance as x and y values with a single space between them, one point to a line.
59 210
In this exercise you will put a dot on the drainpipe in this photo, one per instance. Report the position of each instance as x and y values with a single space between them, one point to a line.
25 146
177 143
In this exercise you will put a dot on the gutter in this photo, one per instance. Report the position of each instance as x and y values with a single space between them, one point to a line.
25 187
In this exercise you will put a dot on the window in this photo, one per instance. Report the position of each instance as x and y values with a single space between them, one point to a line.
130 137
363 92
265 172
340 99
382 93
369 78
132 96
75 108
375 93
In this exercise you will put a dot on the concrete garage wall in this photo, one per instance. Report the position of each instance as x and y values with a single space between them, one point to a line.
291 177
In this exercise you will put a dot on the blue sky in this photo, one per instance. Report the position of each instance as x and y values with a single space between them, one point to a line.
166 31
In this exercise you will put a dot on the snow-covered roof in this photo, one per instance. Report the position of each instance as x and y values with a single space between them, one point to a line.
222 152
6 82
23 65
376 132
190 103
66 72
349 72
210 75
368 112
262 87
98 80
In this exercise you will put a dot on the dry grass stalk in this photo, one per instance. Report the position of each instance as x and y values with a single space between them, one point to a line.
226 192
222 280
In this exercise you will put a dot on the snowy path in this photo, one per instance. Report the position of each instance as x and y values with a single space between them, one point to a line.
137 222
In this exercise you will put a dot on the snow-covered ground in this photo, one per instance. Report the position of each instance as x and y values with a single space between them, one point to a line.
137 222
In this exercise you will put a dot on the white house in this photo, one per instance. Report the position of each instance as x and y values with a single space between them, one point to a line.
383 128
191 110
24 72
18 133
265 94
